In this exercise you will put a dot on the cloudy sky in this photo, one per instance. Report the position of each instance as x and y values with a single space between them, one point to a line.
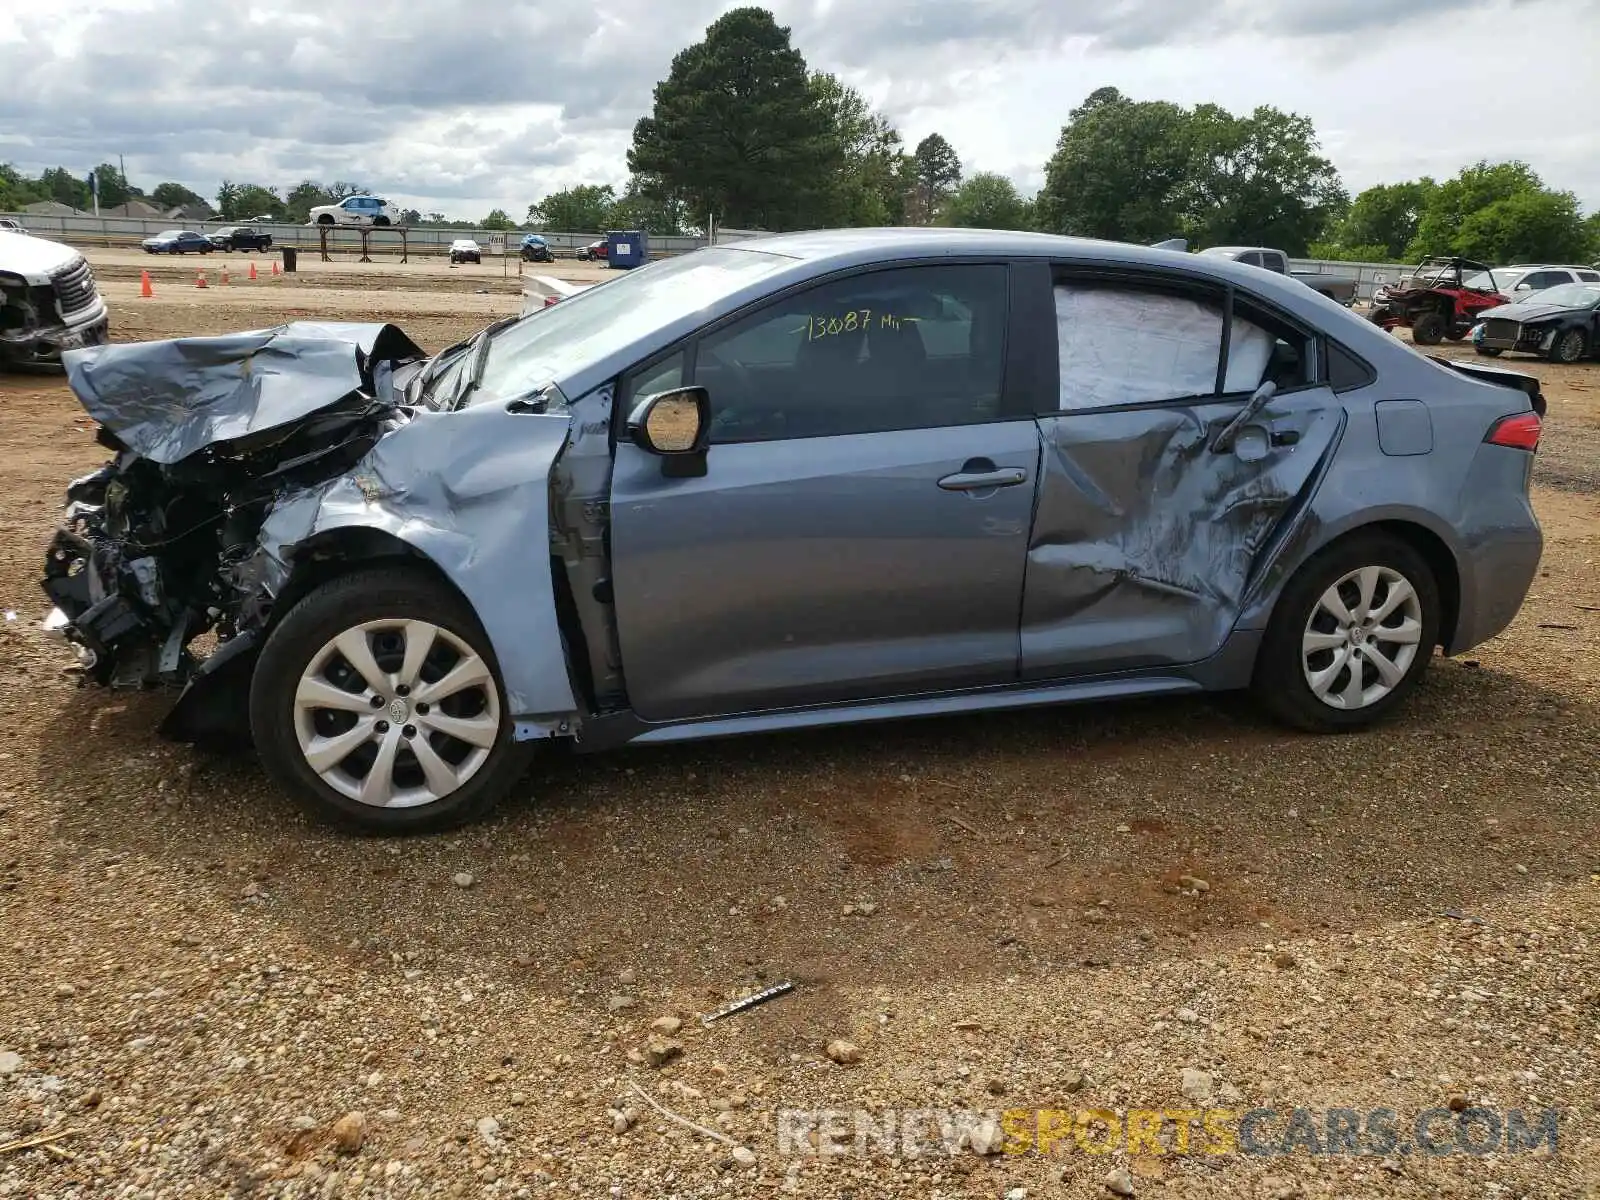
452 106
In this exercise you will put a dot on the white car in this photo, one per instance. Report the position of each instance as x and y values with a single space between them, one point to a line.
1524 279
48 301
465 250
356 210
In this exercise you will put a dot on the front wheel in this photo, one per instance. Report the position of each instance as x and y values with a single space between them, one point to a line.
1569 346
377 704
1351 635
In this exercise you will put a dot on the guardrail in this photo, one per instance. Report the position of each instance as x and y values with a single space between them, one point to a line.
423 239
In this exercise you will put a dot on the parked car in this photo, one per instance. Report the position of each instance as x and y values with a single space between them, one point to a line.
48 302
356 210
595 251
1443 298
1341 288
464 250
815 479
1521 281
1561 323
240 237
178 241
9 225
536 249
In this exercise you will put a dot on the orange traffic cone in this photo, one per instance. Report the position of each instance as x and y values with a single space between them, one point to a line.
252 269
145 289
274 266
224 280
200 278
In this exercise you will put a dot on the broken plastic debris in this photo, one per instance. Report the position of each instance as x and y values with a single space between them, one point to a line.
1455 914
750 1001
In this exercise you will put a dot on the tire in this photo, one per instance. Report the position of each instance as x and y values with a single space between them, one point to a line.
1569 347
301 648
324 219
1281 679
380 222
1428 328
1489 351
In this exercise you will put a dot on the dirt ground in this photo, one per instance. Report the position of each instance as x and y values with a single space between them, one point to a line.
1056 910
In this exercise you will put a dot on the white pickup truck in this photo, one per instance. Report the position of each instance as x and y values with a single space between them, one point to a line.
48 301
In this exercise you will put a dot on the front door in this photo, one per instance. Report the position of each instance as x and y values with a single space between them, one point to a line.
1150 531
861 529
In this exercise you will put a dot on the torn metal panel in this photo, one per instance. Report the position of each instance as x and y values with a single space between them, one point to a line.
470 491
1120 572
168 400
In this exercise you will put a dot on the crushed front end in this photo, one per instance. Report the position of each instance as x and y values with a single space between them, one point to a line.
153 569
46 310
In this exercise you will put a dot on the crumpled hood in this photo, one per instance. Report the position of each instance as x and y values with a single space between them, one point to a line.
1526 310
167 400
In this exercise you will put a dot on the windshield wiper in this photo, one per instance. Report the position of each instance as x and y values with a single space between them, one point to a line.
478 348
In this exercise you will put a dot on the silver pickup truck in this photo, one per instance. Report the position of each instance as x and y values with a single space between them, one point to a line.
1335 287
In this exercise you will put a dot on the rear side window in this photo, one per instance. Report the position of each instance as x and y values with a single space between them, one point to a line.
1273 261
1127 344
1250 258
1589 276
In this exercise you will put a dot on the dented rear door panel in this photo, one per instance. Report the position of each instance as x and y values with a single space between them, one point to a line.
1146 541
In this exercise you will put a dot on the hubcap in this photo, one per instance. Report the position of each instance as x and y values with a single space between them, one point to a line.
1571 346
396 713
1363 635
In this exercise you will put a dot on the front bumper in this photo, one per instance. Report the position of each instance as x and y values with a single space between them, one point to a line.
42 345
1497 336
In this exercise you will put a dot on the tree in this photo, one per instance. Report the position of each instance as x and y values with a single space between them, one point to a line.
303 197
112 186
497 219
1454 200
988 201
410 216
938 171
736 130
62 186
869 187
174 195
582 209
648 204
1118 171
1258 180
241 201
1529 226
17 190
1385 216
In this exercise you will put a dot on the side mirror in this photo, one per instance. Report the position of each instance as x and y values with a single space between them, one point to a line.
675 424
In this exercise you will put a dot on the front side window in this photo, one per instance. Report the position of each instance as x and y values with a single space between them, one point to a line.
1250 258
903 348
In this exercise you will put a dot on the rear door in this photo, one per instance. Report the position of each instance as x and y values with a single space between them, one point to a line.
1149 532
861 528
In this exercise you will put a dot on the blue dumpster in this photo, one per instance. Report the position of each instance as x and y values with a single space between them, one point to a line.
626 249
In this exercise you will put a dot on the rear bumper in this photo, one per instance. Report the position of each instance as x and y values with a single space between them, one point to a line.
1502 548
42 345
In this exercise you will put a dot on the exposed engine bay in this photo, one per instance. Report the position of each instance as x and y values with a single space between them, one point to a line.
160 546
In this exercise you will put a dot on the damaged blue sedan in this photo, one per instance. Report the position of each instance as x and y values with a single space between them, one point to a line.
814 479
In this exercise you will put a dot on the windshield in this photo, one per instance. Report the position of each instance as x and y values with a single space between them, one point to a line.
609 316
1569 295
1497 281
170 233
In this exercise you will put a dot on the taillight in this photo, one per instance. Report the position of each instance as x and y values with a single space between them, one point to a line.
1520 432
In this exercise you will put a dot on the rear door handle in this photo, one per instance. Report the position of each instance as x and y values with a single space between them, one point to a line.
977 481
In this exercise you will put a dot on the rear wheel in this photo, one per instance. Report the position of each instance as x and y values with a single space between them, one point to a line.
1351 635
377 705
324 219
1569 346
1488 351
1428 329
380 222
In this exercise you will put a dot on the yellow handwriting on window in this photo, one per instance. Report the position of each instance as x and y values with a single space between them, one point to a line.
837 324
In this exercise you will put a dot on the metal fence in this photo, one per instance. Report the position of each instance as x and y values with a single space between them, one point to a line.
1368 276
420 239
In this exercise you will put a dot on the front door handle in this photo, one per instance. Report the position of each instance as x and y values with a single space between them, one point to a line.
978 481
